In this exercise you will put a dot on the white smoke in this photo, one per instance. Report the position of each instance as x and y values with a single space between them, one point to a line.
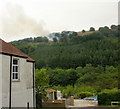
15 23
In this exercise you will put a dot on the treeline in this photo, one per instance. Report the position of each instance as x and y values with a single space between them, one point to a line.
89 79
97 48
35 39
64 36
67 36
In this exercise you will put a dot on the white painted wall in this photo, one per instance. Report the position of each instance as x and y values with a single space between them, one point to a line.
22 90
5 80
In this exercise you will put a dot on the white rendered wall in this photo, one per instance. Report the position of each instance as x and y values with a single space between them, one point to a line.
22 90
29 82
5 80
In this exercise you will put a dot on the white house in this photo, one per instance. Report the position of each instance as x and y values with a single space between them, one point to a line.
16 77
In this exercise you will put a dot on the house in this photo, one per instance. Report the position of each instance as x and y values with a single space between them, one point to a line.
16 77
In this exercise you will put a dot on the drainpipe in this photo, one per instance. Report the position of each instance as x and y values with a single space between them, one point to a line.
34 86
10 82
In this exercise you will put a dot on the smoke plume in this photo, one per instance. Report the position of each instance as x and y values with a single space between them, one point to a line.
15 23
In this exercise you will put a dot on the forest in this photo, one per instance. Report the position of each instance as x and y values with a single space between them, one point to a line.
84 62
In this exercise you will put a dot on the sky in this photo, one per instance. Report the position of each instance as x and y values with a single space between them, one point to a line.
25 18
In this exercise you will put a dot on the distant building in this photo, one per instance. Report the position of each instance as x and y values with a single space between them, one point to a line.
54 99
54 94
16 77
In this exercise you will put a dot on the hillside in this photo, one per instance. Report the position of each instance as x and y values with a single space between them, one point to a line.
85 33
75 64
68 50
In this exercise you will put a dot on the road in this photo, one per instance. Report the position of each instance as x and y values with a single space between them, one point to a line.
86 104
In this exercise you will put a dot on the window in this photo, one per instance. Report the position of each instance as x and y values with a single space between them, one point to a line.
15 69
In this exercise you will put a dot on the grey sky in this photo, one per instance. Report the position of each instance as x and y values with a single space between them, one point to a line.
54 16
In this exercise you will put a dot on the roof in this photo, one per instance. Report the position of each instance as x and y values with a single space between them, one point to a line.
8 48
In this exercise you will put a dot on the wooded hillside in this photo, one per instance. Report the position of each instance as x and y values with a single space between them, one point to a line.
76 62
70 50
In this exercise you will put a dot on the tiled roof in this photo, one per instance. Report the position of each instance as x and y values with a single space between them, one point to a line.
7 48
30 59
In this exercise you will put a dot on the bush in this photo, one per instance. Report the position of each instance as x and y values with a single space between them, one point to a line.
68 91
105 97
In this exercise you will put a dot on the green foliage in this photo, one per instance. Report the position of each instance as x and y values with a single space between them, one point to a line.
89 82
41 83
55 39
62 77
92 29
96 52
36 39
97 77
41 39
105 97
41 79
72 76
114 27
68 91
70 50
82 79
110 69
109 32
76 91
83 31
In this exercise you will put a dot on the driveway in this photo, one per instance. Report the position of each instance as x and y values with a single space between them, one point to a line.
87 104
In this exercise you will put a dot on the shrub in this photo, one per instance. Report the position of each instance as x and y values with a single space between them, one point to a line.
68 91
105 97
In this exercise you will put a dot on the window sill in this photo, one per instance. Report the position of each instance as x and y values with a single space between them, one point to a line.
17 80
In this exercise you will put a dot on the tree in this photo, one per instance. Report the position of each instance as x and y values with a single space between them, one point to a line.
41 39
83 31
106 27
41 82
110 69
44 39
40 63
41 79
96 48
92 29
72 76
28 39
114 27
38 39
79 71
55 39
105 31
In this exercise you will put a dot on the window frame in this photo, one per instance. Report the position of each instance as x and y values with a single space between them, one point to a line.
15 70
